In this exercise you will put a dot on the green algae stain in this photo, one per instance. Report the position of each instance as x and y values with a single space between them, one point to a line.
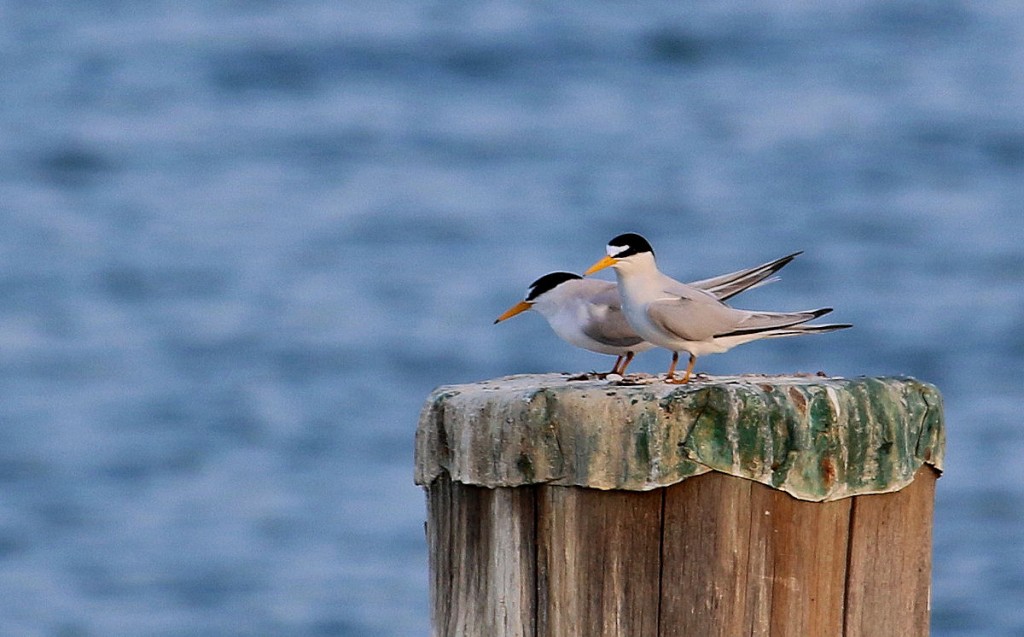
709 437
783 433
931 444
857 435
750 441
642 442
814 439
821 412
525 466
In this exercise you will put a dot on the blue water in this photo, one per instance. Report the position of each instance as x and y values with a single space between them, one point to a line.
241 242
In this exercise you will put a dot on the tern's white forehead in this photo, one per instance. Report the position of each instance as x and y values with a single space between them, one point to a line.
613 249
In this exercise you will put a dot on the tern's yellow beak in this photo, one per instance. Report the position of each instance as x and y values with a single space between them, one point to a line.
519 307
601 265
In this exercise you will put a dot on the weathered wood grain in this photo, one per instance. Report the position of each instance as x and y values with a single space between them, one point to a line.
706 558
715 555
809 545
599 555
742 559
806 544
889 569
482 544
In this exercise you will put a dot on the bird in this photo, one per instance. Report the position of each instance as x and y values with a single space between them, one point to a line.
687 318
587 312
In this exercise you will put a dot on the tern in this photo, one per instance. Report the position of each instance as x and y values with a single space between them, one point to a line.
688 318
587 313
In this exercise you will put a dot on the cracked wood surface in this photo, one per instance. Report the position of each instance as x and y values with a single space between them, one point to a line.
716 556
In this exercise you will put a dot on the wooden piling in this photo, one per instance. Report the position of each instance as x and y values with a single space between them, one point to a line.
751 505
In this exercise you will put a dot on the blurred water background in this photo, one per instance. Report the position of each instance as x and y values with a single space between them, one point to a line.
241 242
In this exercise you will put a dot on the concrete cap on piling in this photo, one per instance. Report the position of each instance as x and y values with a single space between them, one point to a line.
815 438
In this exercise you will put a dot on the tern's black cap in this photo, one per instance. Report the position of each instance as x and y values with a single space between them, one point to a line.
549 282
629 244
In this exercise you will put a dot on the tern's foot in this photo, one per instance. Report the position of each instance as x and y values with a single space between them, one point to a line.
672 380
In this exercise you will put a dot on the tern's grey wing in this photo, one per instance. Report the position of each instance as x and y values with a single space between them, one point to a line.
809 329
604 294
729 285
755 322
607 324
698 320
693 318
614 331
674 288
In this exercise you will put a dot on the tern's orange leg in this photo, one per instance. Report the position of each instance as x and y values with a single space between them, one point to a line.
671 376
615 367
689 368
625 363
671 370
